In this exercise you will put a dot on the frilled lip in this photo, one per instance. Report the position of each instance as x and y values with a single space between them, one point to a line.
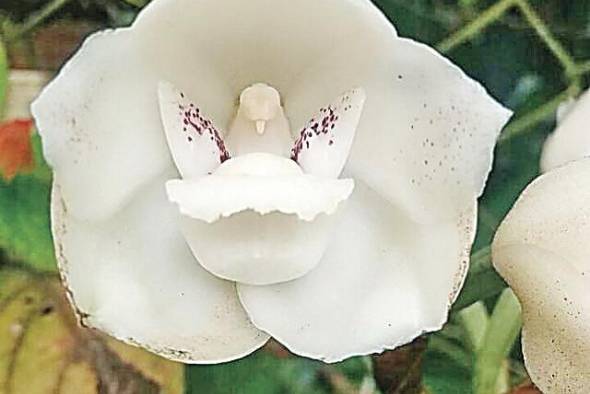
213 197
421 156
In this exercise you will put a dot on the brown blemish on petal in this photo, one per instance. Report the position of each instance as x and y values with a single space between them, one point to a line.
466 226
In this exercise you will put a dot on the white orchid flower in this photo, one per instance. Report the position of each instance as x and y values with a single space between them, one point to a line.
214 186
571 139
542 251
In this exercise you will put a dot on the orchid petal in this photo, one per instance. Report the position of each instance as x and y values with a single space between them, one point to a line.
571 140
542 251
100 156
426 137
408 87
195 143
134 277
100 122
324 143
258 219
368 292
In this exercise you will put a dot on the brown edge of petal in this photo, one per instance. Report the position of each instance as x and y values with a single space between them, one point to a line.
59 229
467 225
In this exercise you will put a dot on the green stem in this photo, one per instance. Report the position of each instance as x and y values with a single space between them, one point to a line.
547 37
503 329
35 20
583 68
453 351
468 32
531 119
475 320
481 260
482 281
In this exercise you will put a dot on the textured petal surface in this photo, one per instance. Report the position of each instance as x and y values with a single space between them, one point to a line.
376 288
258 219
324 143
100 120
426 136
240 185
195 143
96 134
134 277
571 140
542 251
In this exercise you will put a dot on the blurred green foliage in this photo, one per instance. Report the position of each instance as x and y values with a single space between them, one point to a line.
508 57
24 226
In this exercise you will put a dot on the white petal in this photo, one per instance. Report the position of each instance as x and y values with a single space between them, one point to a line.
426 136
100 122
195 143
324 143
259 41
96 135
342 43
262 183
571 140
135 278
376 288
259 219
542 251
259 249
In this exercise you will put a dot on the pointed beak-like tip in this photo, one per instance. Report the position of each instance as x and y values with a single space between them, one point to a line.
260 126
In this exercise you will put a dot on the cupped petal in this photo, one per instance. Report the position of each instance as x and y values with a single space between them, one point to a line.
324 143
188 43
570 141
195 143
134 277
427 133
259 249
271 42
100 123
258 219
97 135
542 251
377 286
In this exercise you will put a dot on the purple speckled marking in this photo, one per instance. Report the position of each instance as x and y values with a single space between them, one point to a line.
194 122
323 124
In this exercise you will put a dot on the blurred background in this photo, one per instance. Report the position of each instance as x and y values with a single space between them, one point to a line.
530 54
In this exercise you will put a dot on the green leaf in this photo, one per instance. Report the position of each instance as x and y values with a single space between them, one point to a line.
502 331
482 281
25 234
260 373
474 320
264 373
43 350
137 3
442 375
